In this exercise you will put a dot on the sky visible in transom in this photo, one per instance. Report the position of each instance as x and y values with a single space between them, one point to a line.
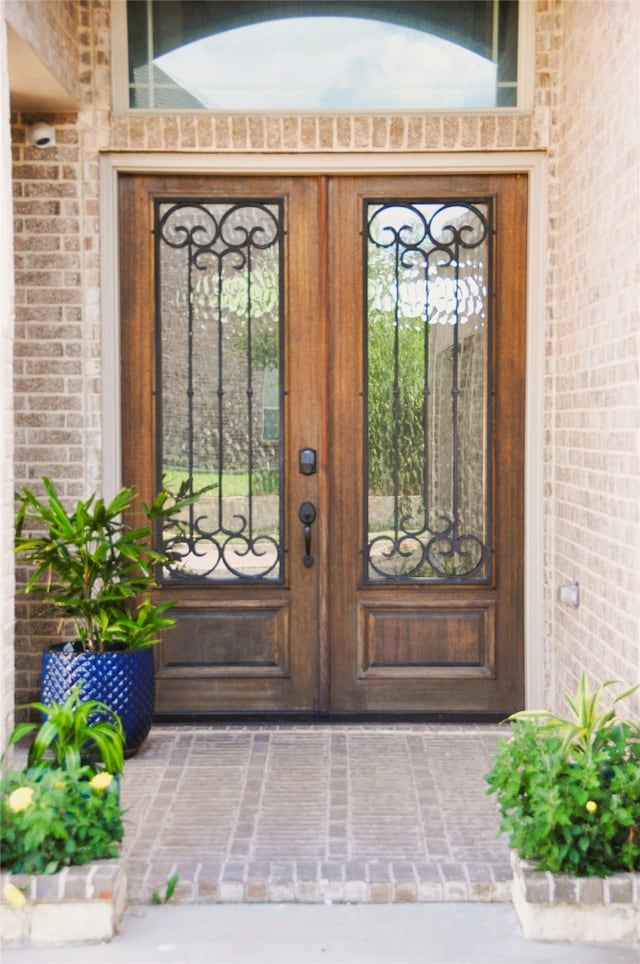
330 63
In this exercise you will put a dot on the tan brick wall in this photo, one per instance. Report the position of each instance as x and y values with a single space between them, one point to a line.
593 346
58 418
6 408
304 133
58 334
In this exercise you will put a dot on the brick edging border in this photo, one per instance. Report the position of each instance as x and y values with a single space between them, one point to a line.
77 904
561 907
312 881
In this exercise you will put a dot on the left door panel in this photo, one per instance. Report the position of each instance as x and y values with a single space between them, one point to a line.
219 298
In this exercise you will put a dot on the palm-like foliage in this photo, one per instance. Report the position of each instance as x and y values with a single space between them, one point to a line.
74 733
96 569
591 725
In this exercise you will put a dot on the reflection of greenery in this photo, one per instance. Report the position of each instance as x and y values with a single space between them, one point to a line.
264 307
265 481
264 345
385 433
447 567
408 557
232 303
265 294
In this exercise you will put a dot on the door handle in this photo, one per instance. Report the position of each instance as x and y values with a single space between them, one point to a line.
307 516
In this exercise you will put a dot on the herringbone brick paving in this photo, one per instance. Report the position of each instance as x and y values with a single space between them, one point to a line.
315 813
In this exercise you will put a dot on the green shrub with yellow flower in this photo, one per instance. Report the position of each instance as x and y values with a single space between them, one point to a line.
63 808
568 789
53 818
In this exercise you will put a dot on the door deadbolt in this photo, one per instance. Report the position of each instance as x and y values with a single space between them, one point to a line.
307 461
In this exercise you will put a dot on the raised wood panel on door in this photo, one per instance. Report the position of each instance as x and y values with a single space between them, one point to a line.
404 640
426 647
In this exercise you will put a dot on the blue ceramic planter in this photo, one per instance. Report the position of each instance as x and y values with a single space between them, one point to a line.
124 680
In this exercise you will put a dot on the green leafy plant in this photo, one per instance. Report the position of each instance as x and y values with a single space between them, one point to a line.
169 891
74 733
54 817
94 568
568 790
591 724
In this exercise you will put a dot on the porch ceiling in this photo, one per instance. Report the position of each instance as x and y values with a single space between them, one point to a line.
32 86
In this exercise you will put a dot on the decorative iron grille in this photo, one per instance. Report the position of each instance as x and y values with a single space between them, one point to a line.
427 351
218 315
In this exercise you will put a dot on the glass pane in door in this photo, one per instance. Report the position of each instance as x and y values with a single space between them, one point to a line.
219 297
428 334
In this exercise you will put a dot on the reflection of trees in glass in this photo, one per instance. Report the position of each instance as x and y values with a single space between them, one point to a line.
219 272
265 303
426 389
383 441
235 307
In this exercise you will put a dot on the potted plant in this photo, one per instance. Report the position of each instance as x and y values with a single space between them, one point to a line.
568 790
98 573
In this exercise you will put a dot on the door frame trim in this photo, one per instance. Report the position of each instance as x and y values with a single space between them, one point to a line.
531 163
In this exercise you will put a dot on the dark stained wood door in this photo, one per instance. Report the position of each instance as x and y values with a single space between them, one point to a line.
427 528
199 256
378 322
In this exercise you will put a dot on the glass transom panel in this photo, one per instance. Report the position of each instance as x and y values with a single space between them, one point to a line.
291 55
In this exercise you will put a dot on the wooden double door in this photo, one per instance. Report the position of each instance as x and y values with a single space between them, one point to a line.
336 366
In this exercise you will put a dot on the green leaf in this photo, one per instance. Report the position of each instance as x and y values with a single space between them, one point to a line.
171 886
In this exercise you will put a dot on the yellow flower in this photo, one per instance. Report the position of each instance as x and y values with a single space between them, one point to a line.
591 806
20 799
14 896
101 780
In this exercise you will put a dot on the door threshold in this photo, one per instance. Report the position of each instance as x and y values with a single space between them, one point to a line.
331 718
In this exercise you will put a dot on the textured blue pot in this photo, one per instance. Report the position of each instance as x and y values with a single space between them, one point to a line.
124 680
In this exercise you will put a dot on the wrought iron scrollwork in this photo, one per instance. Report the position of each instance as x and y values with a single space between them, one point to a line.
422 271
194 544
222 241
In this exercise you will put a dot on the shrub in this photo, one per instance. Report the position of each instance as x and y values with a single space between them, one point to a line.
569 789
54 817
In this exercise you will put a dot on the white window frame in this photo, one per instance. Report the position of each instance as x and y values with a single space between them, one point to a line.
526 69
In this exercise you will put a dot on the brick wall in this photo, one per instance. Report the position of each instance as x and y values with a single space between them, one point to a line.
6 408
581 110
58 334
593 346
310 133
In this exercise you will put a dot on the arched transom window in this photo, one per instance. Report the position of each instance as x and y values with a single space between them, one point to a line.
292 55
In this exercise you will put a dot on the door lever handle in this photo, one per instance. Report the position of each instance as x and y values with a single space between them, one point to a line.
307 516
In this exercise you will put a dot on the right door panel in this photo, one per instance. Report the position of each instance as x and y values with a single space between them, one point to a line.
426 425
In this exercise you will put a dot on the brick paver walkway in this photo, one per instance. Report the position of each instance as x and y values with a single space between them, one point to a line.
315 813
